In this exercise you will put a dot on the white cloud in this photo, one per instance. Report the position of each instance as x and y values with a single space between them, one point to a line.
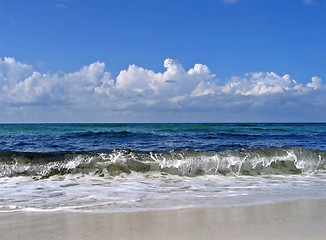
21 85
12 71
138 91
260 84
144 85
315 83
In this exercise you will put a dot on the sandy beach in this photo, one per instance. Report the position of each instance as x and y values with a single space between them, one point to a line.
304 219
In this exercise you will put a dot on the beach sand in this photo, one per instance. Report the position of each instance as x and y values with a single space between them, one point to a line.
304 219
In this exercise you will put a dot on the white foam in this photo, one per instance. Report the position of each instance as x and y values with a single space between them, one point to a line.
137 192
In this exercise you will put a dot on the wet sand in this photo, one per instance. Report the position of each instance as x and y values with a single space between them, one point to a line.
304 219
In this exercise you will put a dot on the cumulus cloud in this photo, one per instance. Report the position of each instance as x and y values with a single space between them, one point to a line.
148 87
315 83
12 71
256 84
20 85
139 90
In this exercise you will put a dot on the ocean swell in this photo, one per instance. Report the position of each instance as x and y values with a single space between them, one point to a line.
111 163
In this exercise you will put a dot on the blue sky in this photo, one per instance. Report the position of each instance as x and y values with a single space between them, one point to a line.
170 61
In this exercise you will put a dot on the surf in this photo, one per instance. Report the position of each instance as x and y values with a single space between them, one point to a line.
181 162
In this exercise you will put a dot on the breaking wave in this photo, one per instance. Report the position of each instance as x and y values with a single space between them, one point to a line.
252 162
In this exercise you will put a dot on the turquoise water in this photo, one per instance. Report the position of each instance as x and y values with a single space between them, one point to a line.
131 167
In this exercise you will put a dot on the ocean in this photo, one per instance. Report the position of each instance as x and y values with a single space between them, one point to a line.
140 167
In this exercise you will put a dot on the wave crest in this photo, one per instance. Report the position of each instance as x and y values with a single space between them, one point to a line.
252 162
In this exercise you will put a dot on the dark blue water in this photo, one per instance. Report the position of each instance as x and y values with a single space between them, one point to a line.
158 137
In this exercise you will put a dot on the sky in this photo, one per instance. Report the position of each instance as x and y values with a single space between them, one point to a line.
162 61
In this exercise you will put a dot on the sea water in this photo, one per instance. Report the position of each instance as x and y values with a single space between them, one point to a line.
135 167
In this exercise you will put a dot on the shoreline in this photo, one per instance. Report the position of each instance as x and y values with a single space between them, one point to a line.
300 219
